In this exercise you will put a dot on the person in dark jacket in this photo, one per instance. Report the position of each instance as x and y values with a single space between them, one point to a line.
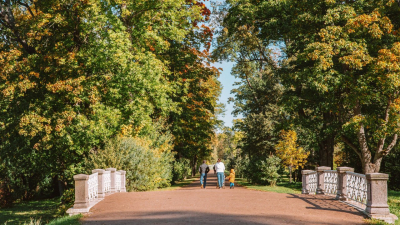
203 169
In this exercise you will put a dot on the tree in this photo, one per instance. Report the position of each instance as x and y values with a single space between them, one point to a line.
356 56
291 154
74 74
338 68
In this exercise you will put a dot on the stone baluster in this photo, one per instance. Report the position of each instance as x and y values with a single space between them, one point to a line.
101 193
320 179
123 180
112 170
342 182
305 181
81 191
377 193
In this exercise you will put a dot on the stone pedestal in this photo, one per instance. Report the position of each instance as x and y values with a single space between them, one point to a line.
123 180
305 181
81 191
100 172
112 170
342 182
320 179
377 206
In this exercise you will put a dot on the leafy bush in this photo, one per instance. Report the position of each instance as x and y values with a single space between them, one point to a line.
146 168
239 164
269 169
181 170
67 201
261 171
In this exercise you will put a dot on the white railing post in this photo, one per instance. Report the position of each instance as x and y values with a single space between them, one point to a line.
377 192
91 189
112 171
305 180
101 187
342 182
123 180
320 177
81 191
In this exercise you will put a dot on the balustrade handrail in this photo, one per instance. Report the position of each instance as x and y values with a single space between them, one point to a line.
90 189
330 182
367 192
356 174
356 186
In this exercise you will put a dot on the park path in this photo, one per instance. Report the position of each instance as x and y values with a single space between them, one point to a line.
192 205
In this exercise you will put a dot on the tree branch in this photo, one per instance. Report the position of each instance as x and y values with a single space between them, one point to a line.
351 145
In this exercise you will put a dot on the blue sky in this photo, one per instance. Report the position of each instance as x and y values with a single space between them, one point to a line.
227 81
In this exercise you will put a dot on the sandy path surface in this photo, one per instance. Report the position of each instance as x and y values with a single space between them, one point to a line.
192 205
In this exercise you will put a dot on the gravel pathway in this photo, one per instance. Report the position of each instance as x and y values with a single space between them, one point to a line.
192 205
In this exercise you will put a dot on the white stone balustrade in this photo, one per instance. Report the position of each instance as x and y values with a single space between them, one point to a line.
367 192
90 189
330 182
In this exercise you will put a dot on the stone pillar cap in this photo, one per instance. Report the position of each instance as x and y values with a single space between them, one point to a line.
322 168
111 169
100 171
306 171
345 169
81 177
377 176
122 171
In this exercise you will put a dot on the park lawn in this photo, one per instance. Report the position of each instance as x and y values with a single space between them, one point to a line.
281 187
35 213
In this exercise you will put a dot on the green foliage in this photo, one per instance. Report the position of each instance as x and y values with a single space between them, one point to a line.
74 75
181 170
336 65
239 164
391 166
146 168
269 169
67 201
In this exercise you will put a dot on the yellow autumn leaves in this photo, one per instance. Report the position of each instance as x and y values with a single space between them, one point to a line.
289 151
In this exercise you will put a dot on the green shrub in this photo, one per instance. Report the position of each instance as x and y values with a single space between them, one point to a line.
67 201
269 169
146 168
181 170
239 164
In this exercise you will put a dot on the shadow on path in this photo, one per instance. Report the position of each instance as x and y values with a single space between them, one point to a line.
324 202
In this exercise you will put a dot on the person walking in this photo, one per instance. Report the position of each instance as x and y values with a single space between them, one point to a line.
220 168
231 178
203 169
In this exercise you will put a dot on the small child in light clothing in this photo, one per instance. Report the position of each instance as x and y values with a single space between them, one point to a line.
232 179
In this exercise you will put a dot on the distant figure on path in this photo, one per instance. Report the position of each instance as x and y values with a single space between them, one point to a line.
220 168
203 169
232 179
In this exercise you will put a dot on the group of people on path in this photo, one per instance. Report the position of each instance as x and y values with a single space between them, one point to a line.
219 169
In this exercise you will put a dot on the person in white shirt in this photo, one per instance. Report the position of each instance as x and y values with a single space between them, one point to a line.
220 168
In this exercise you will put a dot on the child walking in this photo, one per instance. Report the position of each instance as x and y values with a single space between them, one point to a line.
232 179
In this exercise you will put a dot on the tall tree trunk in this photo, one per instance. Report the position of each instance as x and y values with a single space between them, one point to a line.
194 165
327 145
326 148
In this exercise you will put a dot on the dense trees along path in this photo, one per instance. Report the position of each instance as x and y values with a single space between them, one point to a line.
192 205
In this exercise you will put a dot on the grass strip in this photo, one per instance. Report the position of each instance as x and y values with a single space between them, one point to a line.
281 187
